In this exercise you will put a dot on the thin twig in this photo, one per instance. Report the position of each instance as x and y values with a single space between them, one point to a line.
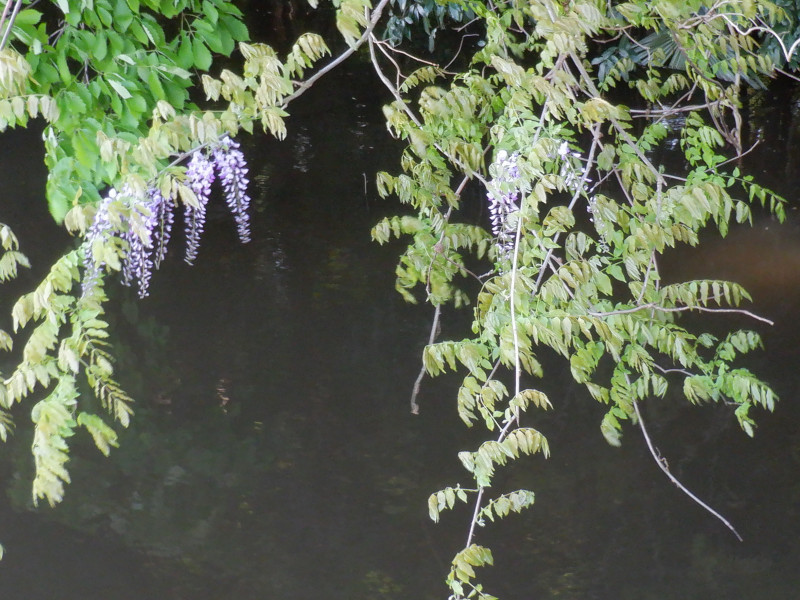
416 120
404 53
460 46
431 339
434 327
662 464
655 306
666 371
5 14
621 131
11 20
304 87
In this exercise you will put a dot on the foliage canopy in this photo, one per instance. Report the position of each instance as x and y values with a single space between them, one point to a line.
601 134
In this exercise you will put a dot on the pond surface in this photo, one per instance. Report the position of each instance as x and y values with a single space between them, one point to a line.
273 454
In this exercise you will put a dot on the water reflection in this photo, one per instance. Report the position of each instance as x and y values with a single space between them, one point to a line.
273 456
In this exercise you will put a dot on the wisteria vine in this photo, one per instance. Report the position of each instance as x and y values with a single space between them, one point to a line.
144 224
507 186
503 195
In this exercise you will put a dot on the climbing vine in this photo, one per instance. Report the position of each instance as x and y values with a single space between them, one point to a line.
563 118
581 211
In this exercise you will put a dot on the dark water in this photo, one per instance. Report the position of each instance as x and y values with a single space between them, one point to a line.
273 454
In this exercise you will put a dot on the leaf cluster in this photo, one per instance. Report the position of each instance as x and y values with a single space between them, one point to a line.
590 208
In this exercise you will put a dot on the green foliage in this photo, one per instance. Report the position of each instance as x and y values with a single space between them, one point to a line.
97 71
463 572
407 16
582 206
68 337
532 123
111 81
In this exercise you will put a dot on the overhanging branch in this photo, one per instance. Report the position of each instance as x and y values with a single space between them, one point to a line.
662 464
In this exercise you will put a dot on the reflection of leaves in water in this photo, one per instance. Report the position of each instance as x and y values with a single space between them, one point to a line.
183 492
140 349
261 185
339 278
719 575
301 151
379 585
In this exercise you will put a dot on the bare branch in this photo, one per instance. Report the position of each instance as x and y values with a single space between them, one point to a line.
432 338
659 308
11 19
662 464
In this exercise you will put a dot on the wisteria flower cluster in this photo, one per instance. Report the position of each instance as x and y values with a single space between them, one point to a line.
145 223
232 171
506 187
200 173
571 170
503 195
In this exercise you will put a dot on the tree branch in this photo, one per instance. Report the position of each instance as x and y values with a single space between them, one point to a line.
434 332
662 464
654 306
11 20
376 16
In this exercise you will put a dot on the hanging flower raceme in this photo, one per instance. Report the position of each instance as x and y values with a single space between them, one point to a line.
503 195
232 171
200 174
162 209
136 229
100 233
138 264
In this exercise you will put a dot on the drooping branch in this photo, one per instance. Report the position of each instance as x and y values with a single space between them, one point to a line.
432 338
511 418
662 464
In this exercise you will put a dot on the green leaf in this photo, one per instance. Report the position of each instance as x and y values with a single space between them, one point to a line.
156 88
28 17
611 430
185 52
120 89
213 40
202 56
123 16
210 11
235 27
104 437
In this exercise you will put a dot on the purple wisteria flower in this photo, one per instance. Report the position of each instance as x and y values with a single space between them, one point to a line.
148 230
232 171
503 195
162 209
144 222
200 174
138 264
100 231
145 229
